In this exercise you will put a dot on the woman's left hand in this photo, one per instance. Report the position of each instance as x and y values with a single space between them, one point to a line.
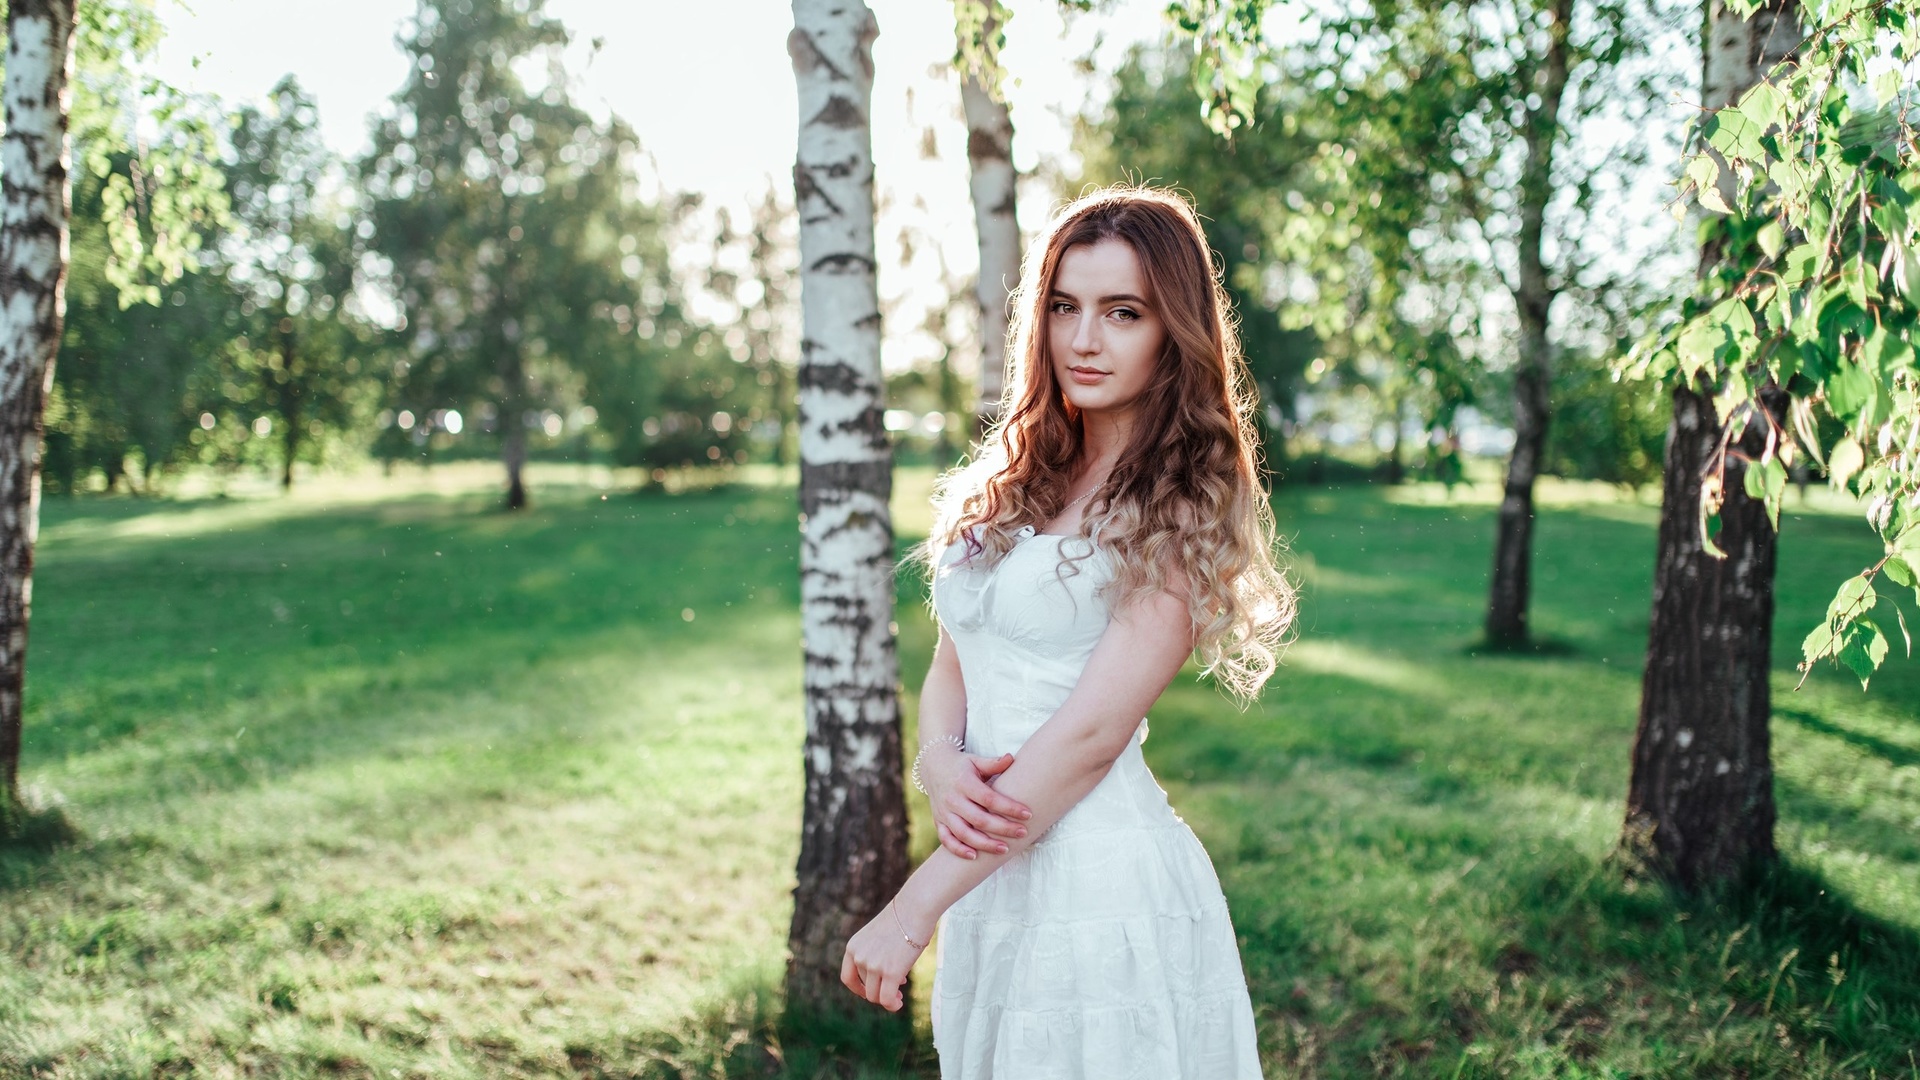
878 959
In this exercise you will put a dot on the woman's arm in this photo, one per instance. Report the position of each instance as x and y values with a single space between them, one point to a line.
1136 658
969 815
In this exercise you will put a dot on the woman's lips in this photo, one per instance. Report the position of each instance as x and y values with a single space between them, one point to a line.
1087 375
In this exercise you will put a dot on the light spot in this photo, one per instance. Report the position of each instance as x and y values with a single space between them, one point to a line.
1723 768
1684 738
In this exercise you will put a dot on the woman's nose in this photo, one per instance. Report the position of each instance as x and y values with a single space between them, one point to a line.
1086 338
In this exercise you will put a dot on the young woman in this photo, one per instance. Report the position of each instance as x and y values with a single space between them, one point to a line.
1113 526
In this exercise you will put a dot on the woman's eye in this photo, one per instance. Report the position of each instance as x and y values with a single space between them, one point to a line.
1061 307
1125 314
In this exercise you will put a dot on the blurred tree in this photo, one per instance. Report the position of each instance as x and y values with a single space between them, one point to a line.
132 378
33 269
853 833
982 26
511 225
291 259
765 318
1493 95
143 313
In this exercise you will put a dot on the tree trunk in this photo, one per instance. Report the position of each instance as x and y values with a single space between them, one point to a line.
1396 462
289 409
853 841
513 455
1510 591
1700 806
34 207
990 159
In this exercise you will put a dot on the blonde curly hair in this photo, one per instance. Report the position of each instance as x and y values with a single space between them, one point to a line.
1184 499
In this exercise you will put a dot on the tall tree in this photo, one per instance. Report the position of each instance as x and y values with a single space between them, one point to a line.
34 205
981 25
1700 806
1539 85
291 259
511 219
853 841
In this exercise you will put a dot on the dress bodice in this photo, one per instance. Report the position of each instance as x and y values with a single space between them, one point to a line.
1024 630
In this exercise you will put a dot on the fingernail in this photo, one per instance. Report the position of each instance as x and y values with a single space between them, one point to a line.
1019 832
1000 849
1025 814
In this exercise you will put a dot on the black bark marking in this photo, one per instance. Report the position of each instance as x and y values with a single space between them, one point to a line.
827 482
844 262
840 113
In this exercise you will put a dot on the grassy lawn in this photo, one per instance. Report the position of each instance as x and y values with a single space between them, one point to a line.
378 781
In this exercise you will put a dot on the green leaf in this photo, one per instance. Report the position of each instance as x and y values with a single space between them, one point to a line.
1844 462
1697 346
1772 238
1733 314
1904 635
1850 393
1733 134
1855 595
1765 105
1802 263
1754 479
1887 86
1897 569
1819 644
1704 171
1864 649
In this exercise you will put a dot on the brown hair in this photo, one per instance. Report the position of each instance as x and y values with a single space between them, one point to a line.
1185 493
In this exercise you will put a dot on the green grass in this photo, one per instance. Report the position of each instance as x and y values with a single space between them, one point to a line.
378 781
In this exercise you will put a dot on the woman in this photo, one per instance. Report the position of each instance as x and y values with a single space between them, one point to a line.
1113 526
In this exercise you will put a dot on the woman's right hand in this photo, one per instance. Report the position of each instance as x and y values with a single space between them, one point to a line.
969 815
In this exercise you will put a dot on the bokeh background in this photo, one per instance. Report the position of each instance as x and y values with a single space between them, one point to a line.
346 769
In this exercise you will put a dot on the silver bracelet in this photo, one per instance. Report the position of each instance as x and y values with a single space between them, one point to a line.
958 744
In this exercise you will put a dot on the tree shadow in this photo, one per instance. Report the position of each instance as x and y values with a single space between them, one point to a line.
1893 753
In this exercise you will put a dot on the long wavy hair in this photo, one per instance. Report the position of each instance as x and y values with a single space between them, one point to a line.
1185 494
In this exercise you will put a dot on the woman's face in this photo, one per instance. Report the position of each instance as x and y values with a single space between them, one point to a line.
1102 332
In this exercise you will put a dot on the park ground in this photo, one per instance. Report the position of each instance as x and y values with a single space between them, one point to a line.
378 781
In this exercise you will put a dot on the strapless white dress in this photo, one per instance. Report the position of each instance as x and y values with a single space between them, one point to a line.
1104 951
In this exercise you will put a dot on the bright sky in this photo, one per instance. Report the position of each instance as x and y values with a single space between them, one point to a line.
709 88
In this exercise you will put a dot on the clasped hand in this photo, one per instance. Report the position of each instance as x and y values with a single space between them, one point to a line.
968 814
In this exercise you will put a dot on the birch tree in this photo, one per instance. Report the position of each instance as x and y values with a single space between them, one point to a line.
853 849
981 27
34 194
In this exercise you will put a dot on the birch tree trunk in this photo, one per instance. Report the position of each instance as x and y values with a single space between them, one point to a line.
34 205
1510 593
853 840
990 159
1700 807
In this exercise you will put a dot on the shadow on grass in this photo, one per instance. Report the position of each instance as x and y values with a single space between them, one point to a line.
741 1034
1893 753
29 833
1784 948
1544 647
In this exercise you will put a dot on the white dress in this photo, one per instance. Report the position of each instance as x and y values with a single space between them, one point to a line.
1104 951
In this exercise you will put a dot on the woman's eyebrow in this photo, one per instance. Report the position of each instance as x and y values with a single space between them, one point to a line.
1112 299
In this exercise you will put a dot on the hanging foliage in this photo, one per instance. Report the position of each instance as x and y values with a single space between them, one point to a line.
1808 184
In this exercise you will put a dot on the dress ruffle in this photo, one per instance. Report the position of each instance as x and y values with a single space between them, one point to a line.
1100 954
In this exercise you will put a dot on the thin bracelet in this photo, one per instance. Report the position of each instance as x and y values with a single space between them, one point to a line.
902 924
958 744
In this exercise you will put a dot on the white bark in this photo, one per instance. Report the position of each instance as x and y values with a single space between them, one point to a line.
990 160
853 832
34 203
